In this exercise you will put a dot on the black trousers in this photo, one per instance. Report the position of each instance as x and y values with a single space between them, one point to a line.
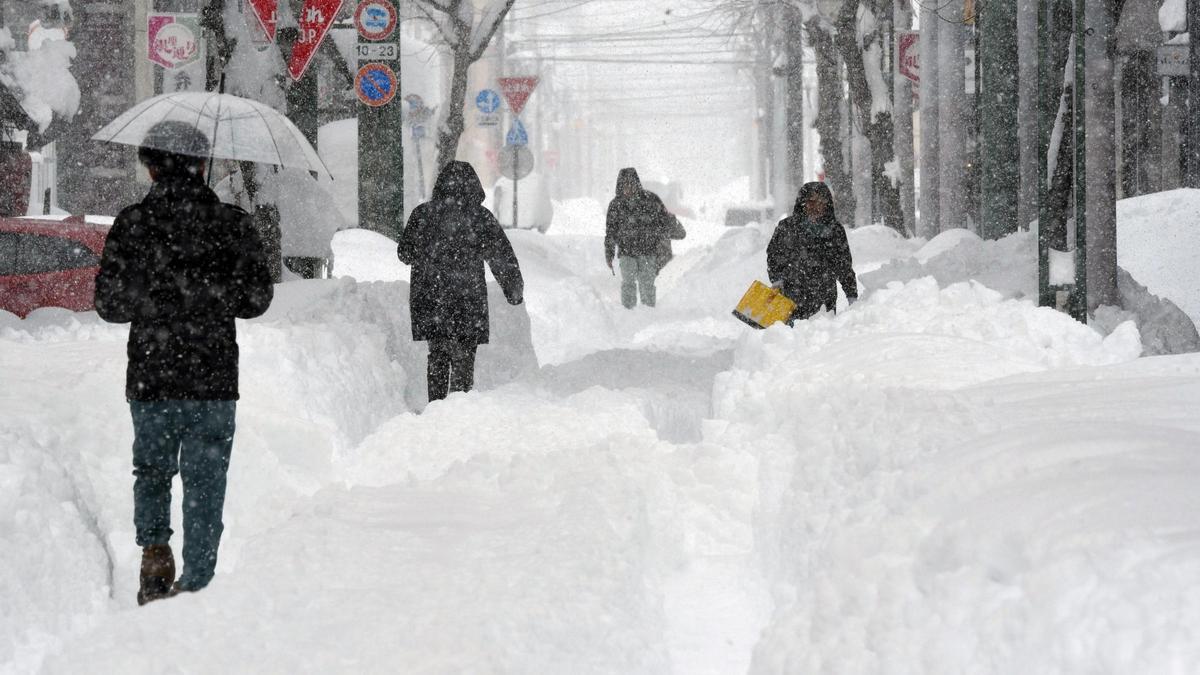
451 367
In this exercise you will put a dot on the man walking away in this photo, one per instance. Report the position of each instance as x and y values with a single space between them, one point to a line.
180 266
447 241
638 230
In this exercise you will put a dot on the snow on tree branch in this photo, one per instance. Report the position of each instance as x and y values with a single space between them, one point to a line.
40 79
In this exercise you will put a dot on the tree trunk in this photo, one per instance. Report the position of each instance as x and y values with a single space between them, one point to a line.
877 129
829 117
449 134
902 101
795 97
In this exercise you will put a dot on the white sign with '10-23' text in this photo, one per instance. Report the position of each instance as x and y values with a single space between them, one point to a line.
378 51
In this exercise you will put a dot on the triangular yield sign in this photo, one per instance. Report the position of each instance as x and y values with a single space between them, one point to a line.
516 91
264 11
315 19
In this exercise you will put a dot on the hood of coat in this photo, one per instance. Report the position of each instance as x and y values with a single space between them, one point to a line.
628 178
821 190
458 183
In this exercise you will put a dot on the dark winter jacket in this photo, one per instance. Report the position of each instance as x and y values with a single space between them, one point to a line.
447 241
808 258
637 223
181 266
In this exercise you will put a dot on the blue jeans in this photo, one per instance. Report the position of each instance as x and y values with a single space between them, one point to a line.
637 278
192 438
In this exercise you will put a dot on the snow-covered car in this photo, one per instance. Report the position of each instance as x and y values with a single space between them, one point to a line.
49 263
535 211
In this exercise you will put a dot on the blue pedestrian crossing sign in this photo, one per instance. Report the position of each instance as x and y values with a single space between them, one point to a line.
516 134
487 101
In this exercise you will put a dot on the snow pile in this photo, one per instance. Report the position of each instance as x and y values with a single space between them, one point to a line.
41 79
1009 266
949 483
374 319
1157 239
367 256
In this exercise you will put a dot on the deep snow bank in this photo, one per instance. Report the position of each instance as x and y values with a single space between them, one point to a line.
1158 236
329 362
1009 266
951 481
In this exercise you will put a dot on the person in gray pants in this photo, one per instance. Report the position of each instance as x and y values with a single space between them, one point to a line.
638 230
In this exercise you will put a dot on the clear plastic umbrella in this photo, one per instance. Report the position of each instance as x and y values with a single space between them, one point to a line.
237 128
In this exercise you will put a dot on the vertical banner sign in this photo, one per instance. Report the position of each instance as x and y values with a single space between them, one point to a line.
173 40
264 11
908 54
516 91
315 19
174 45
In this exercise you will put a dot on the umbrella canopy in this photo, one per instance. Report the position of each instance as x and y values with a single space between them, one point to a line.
237 128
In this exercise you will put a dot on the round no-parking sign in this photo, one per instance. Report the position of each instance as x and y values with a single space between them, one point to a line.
375 84
375 19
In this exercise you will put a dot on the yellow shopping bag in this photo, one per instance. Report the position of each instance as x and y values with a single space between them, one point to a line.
762 306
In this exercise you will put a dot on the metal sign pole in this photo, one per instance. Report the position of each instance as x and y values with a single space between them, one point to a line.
380 120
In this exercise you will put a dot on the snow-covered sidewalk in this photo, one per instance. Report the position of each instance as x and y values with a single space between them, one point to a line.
943 479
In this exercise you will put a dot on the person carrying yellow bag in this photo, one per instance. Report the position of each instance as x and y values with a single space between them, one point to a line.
809 254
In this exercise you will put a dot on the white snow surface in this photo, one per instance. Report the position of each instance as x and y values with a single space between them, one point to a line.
940 478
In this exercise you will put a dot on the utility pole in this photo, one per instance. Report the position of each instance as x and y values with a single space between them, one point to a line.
1191 176
1078 302
929 225
1027 109
952 119
1000 148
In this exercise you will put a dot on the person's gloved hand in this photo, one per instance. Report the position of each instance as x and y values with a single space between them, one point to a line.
852 300
515 299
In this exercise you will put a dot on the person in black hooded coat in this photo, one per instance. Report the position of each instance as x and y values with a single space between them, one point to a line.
446 241
809 254
638 231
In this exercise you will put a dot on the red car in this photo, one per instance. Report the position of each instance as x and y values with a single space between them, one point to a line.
49 263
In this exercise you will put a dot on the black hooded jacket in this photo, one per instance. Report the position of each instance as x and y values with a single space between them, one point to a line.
637 224
809 258
180 266
447 240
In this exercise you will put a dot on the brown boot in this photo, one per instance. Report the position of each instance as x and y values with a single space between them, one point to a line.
158 573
